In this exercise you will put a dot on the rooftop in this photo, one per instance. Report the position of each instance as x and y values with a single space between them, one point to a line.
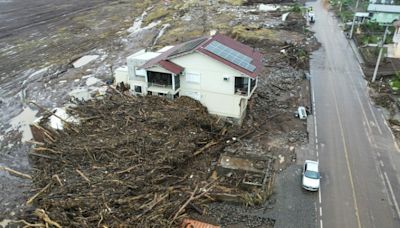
144 55
222 48
384 8
312 165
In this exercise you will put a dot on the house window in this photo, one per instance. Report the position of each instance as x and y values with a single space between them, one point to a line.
241 85
252 84
159 79
193 77
140 73
138 89
177 82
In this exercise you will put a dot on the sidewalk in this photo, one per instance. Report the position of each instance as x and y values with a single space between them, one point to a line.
356 51
307 152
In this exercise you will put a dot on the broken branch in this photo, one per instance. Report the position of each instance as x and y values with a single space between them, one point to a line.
82 175
37 194
17 173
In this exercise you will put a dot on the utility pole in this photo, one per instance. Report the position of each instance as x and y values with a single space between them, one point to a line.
380 54
354 20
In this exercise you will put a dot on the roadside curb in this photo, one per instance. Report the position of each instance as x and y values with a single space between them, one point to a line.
355 51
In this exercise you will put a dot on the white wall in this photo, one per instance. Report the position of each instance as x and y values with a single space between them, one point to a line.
137 59
121 75
214 92
222 104
138 83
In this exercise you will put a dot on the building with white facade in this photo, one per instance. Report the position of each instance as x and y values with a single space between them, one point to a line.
218 71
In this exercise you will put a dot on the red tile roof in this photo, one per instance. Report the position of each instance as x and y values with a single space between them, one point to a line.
170 66
200 44
190 223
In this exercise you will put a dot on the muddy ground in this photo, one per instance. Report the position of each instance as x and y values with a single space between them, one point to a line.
37 52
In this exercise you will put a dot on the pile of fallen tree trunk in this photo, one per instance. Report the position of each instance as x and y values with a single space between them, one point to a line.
296 56
131 161
138 162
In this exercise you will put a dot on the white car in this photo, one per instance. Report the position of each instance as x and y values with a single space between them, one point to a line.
311 17
311 176
301 113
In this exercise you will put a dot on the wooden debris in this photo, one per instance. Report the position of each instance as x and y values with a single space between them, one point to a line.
16 173
41 155
82 175
208 145
139 171
30 200
45 149
43 216
67 124
196 194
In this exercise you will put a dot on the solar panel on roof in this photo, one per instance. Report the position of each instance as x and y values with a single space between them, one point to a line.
188 46
231 55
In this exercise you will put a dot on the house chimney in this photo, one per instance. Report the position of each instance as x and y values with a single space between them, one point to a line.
213 32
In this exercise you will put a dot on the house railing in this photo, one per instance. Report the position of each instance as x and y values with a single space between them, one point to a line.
241 90
160 85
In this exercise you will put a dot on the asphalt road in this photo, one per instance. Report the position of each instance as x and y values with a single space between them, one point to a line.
294 207
359 159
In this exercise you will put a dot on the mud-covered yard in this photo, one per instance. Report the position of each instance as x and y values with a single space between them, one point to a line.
37 65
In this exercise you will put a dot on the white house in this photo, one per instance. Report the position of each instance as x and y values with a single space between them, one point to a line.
218 71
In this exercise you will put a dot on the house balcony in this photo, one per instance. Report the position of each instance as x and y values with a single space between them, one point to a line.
162 84
244 86
160 89
241 90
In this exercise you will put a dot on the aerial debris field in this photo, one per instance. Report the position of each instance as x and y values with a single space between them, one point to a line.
149 161
134 161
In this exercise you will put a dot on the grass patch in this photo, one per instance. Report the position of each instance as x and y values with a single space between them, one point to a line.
179 34
369 39
234 2
345 16
296 8
395 82
156 14
253 35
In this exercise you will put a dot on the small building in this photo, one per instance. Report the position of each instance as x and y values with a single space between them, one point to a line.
384 14
394 48
217 70
361 17
383 2
387 14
